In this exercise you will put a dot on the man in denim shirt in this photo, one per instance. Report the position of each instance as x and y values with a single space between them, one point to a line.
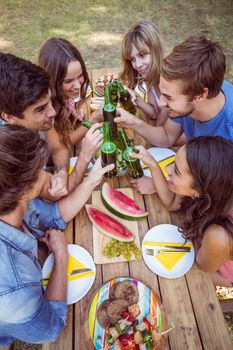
26 312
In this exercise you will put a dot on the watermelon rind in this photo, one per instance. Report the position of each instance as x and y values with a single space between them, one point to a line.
105 232
116 210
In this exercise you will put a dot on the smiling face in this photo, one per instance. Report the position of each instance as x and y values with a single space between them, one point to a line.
180 179
178 104
73 80
140 61
38 116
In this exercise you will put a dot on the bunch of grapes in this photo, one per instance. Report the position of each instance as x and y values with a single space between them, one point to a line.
115 248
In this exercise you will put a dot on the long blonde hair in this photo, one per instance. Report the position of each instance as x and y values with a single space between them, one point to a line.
143 35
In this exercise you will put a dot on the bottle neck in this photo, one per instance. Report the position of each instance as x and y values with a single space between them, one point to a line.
107 132
121 89
108 105
124 138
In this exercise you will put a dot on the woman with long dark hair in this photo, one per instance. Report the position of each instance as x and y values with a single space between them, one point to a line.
200 185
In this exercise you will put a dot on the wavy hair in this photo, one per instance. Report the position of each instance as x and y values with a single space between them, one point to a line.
54 57
23 154
142 35
210 160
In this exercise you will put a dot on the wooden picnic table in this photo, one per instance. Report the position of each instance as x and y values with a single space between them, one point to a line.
190 302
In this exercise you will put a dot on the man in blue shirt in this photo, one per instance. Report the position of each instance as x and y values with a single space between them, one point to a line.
27 313
199 101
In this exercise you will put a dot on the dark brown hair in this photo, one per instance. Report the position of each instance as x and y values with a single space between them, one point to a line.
54 57
22 156
199 63
210 160
22 84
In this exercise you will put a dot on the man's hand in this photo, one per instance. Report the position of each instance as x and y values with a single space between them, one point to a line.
59 183
56 242
91 142
96 174
126 119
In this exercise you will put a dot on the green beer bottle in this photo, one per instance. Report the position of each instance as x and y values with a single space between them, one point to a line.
108 150
133 164
109 112
126 100
89 124
114 92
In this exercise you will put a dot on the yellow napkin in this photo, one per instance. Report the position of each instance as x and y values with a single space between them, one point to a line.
169 260
163 164
169 244
73 264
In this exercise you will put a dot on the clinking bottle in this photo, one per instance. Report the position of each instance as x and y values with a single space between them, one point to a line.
109 112
89 124
114 91
133 164
108 150
126 100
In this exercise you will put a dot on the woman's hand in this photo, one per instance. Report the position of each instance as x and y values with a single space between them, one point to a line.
144 156
96 174
79 115
91 142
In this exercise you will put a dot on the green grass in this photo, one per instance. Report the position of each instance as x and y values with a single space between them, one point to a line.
97 27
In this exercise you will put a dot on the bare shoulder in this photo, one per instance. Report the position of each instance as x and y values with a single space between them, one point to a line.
216 237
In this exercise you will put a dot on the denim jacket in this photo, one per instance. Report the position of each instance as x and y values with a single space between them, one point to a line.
24 311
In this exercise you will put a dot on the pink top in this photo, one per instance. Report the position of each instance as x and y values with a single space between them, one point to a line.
226 270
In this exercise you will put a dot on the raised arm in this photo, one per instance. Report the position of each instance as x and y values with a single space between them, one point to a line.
165 135
70 205
61 160
169 199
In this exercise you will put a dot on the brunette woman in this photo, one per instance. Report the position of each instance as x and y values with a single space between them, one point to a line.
200 185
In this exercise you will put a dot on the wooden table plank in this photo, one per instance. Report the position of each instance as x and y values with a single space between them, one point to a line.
208 312
174 292
83 237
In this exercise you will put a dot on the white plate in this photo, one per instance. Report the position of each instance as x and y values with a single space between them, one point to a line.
158 154
77 288
167 233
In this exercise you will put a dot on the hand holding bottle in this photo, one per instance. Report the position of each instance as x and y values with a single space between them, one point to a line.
144 156
126 119
91 142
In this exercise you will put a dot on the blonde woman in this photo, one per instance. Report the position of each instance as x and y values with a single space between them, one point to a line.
141 58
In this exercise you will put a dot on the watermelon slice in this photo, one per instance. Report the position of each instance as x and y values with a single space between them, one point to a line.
120 204
108 225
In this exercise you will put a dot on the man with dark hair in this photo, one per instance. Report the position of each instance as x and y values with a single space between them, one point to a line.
25 99
25 94
198 99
